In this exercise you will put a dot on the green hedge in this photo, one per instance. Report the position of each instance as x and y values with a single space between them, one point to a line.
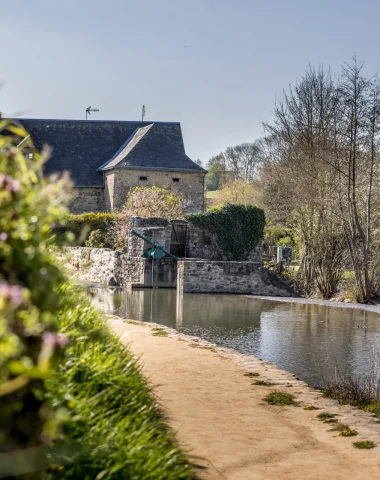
83 224
116 429
238 228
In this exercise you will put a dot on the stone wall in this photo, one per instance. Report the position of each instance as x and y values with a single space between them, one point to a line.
88 199
156 229
97 265
108 267
133 271
189 184
204 276
203 245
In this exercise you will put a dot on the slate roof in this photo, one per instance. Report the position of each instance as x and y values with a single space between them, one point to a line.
85 147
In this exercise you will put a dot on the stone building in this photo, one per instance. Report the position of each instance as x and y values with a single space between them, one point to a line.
107 158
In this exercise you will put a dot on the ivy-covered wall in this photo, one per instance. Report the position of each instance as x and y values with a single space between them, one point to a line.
232 232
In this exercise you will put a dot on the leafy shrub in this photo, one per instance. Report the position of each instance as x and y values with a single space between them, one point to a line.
29 344
236 193
238 228
154 202
84 224
96 239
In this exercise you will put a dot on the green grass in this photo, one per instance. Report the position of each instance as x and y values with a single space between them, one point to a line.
326 417
251 374
281 399
262 383
134 322
159 332
373 408
364 444
310 407
344 430
116 430
211 194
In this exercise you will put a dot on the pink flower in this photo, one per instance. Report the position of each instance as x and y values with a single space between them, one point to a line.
12 292
3 236
52 339
9 183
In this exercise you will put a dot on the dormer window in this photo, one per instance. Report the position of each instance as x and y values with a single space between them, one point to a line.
175 179
143 179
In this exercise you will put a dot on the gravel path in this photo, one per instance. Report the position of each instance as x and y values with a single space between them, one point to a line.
219 415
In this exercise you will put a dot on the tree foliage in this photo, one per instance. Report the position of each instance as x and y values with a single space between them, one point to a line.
237 193
238 228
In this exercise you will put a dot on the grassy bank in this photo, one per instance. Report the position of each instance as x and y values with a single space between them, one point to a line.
361 392
115 429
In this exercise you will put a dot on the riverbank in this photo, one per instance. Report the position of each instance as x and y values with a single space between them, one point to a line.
219 415
326 303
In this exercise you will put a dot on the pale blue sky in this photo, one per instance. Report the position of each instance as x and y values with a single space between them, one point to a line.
214 65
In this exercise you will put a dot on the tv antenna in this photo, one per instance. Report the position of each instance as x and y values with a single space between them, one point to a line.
89 110
143 113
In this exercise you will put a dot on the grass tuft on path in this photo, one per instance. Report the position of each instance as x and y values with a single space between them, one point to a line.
326 417
159 332
344 430
281 399
262 383
364 444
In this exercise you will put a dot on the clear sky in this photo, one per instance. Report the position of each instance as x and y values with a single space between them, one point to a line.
214 65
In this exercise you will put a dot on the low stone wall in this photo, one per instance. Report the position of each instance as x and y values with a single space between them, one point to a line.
97 265
203 276
108 267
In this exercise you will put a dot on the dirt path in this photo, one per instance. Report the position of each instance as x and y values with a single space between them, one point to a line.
219 415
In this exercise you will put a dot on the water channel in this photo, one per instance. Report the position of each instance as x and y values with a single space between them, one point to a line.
311 341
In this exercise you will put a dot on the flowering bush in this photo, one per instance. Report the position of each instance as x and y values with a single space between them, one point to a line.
144 202
154 202
59 364
29 344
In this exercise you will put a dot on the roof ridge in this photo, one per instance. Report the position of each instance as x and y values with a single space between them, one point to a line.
135 136
145 122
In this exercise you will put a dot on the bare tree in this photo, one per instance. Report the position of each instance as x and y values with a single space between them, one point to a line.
323 151
243 160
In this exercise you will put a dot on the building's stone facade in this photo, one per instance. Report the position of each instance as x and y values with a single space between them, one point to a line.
88 199
203 276
190 185
118 184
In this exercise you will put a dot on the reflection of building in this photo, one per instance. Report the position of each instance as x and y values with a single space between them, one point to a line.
103 299
312 341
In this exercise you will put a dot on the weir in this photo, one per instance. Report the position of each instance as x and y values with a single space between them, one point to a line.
163 254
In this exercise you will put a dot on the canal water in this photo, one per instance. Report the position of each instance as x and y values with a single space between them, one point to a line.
314 342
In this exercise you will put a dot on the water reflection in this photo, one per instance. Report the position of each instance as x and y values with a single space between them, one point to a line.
310 340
